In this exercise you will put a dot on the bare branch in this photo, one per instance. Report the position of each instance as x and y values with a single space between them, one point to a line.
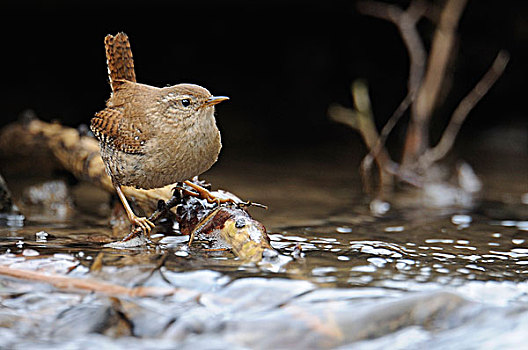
362 120
406 22
443 42
463 109
387 128
343 115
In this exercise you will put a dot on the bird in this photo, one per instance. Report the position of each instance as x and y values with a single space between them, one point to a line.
151 137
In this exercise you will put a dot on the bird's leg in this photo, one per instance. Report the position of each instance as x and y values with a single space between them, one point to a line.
145 224
203 193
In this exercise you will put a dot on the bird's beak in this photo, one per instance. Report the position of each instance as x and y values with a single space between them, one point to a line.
211 101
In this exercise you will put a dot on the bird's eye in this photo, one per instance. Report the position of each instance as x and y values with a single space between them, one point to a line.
186 102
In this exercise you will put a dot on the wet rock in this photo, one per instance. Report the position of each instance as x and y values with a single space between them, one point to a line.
201 280
93 315
6 203
318 325
9 319
33 312
242 299
126 273
151 317
134 242
256 294
8 338
467 179
9 213
52 198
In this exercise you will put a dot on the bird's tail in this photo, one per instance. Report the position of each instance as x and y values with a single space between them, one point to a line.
119 59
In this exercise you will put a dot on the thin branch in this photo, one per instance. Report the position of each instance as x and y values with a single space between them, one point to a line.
442 45
87 284
463 109
362 120
406 22
345 116
366 163
417 139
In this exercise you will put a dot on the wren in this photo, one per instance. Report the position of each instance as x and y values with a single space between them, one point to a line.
151 137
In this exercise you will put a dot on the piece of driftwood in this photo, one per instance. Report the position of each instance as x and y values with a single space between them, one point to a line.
228 223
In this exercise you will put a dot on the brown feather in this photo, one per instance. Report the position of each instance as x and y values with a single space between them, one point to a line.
119 59
112 128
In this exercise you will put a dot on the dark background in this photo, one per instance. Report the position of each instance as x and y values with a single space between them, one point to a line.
282 63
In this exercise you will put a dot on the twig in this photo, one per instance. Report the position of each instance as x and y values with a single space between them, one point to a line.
366 163
406 22
362 120
97 264
463 109
417 138
87 284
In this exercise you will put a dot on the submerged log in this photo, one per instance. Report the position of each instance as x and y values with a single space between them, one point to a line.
229 224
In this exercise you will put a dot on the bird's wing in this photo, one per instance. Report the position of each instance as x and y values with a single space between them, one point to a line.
113 128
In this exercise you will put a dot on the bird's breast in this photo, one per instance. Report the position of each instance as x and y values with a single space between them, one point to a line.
185 151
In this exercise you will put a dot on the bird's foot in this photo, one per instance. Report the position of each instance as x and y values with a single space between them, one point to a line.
145 224
141 225
204 193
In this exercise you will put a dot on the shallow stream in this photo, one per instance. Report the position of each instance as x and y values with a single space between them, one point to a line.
415 278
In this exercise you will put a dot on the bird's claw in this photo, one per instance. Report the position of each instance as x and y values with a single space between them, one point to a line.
142 222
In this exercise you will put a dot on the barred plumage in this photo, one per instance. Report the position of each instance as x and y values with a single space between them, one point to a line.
119 59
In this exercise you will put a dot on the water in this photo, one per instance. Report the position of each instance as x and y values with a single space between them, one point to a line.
415 278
